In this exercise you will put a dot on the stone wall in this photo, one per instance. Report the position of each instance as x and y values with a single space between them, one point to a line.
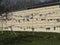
45 19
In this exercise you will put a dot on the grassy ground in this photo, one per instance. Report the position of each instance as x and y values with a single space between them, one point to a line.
26 38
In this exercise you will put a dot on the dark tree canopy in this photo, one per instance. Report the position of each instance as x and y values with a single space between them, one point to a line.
12 5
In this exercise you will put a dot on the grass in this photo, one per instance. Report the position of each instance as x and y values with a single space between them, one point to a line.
26 38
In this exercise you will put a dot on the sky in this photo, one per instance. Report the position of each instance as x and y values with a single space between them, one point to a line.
45 0
36 1
14 2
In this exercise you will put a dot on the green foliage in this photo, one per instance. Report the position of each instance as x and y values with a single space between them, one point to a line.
26 38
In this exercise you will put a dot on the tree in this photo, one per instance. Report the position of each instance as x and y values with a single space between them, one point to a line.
1 11
5 9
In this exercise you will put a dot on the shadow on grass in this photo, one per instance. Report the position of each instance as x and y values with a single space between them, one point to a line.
23 38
